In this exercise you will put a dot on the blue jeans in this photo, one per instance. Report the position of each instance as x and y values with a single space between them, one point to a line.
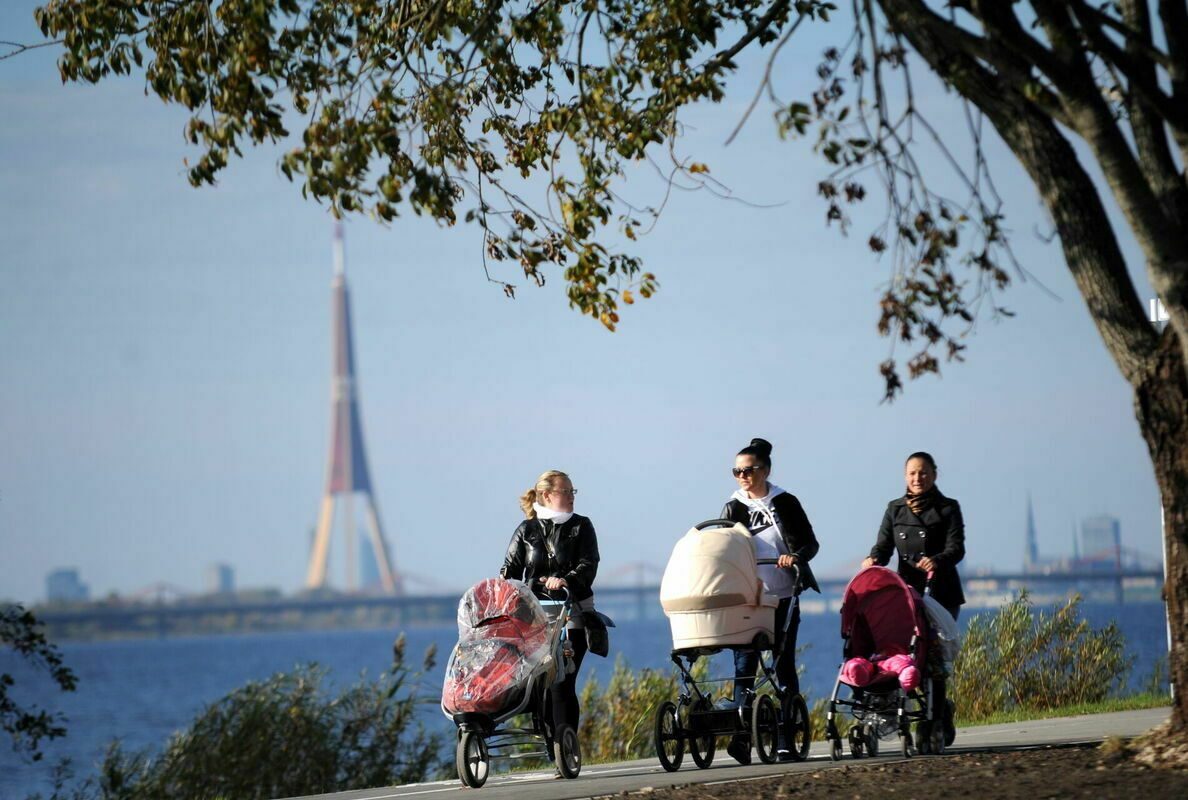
747 661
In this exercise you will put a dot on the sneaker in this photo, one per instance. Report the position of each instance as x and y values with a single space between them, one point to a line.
726 704
783 751
740 749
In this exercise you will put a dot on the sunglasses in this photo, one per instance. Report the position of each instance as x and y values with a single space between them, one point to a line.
738 472
566 492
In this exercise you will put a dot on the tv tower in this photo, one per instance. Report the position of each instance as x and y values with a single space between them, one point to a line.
1031 553
346 470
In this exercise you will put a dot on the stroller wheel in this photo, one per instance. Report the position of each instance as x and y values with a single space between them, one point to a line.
765 728
872 738
800 728
950 728
567 752
924 737
472 759
702 748
938 738
857 738
905 743
670 744
835 750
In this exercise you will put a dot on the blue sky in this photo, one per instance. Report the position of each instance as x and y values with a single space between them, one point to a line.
164 366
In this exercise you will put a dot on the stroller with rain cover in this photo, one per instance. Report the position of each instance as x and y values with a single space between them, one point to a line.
511 649
892 658
714 598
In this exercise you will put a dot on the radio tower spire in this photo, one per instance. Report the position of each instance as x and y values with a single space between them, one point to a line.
1031 553
346 471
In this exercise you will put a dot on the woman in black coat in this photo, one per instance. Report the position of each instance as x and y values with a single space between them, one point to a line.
777 517
926 530
552 549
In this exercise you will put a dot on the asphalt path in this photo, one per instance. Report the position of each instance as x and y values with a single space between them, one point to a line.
632 776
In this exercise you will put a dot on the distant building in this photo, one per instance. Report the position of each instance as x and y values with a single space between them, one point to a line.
63 586
1101 543
220 579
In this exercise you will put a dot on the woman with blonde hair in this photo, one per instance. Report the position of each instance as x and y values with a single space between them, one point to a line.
551 550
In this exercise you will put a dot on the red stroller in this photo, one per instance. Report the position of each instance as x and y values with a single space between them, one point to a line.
887 671
511 650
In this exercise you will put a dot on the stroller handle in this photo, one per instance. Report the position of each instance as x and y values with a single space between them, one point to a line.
714 523
554 591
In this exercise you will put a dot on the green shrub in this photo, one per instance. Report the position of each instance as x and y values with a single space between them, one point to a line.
27 726
287 736
617 721
1020 657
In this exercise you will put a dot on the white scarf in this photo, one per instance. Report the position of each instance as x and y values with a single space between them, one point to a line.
552 515
769 542
760 504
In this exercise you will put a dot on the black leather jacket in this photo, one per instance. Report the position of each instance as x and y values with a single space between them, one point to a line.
938 533
540 549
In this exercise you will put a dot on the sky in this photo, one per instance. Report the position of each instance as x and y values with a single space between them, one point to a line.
165 366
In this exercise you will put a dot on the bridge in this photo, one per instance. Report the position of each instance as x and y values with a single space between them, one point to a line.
161 613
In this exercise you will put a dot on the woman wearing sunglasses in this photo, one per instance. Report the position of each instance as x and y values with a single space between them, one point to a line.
551 550
777 519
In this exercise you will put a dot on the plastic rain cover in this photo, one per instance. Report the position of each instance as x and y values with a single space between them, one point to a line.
945 628
503 636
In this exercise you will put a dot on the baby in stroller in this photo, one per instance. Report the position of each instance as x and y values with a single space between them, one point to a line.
511 650
894 661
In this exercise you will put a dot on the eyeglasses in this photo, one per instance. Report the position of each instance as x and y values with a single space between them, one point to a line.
738 472
566 492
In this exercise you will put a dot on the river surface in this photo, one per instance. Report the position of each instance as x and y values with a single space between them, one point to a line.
140 692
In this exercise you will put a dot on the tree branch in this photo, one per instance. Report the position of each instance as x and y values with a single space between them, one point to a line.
778 8
1091 250
1150 136
1174 16
21 48
1136 66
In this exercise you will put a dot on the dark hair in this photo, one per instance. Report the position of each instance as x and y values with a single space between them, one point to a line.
924 457
760 449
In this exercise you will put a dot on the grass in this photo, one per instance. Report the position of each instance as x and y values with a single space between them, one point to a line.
1128 703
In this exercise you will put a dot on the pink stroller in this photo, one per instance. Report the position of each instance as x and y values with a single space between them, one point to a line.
886 673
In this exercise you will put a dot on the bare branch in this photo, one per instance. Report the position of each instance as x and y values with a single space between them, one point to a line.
23 48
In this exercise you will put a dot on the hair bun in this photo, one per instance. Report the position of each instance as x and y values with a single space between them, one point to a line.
762 445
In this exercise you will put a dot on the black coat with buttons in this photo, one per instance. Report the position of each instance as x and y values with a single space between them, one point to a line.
540 549
938 532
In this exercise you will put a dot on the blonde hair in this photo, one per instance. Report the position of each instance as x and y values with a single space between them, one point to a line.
544 483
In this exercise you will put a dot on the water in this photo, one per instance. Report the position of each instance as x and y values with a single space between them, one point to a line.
142 691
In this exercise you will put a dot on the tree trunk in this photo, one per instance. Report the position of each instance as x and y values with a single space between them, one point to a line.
1161 405
1153 365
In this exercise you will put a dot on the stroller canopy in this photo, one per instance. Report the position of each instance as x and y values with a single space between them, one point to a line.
711 591
711 569
498 600
880 614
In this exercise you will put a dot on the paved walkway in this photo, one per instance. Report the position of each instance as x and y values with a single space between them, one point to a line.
631 776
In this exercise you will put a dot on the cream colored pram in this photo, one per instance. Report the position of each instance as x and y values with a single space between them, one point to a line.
712 593
714 598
